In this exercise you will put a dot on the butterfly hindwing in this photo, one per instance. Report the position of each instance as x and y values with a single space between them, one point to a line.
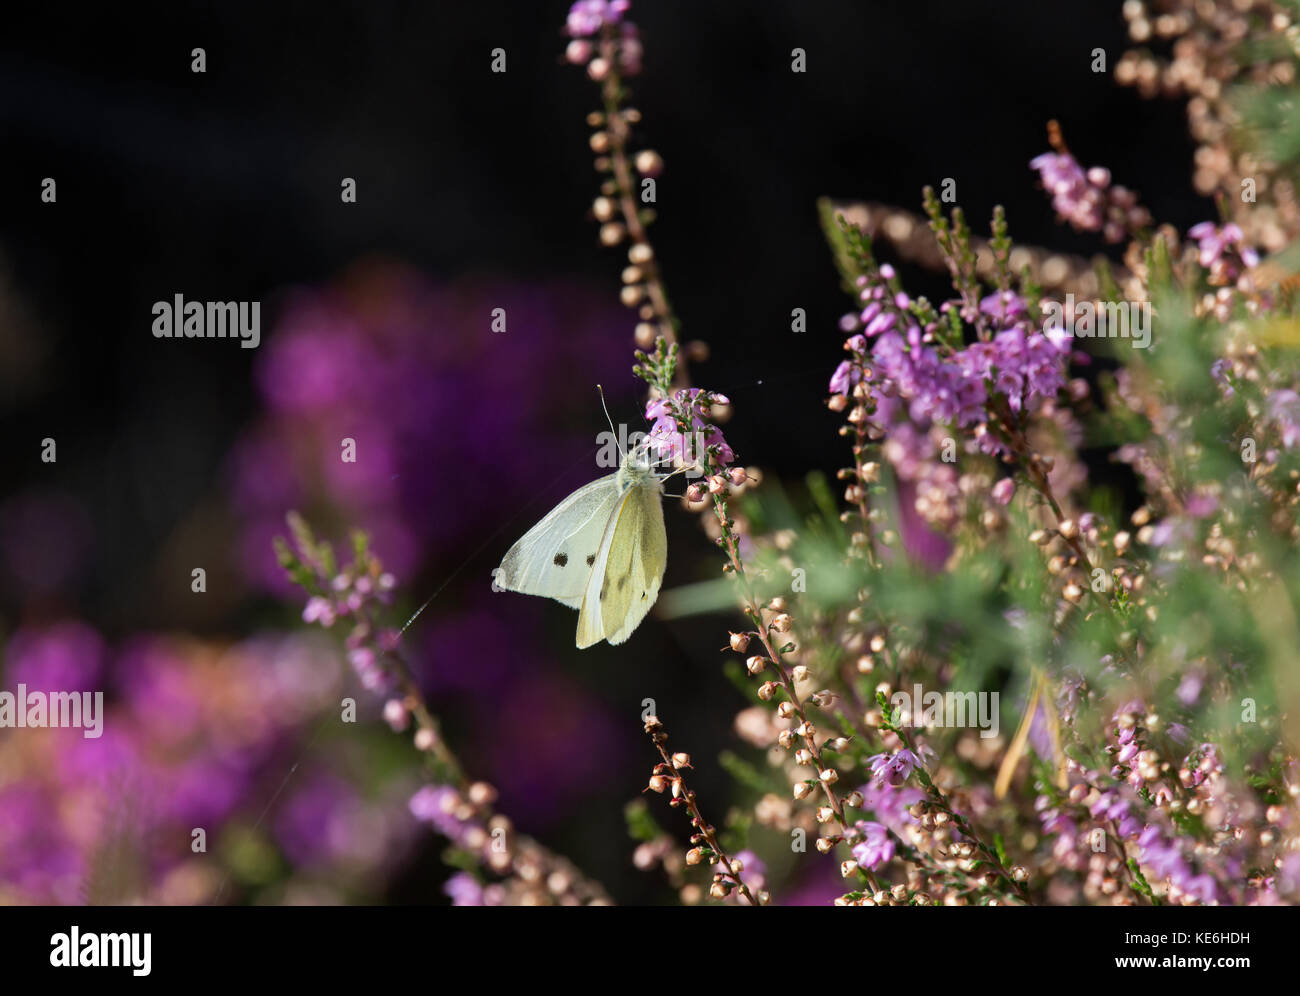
629 570
557 556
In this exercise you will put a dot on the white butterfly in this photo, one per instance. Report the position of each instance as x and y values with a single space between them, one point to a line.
602 551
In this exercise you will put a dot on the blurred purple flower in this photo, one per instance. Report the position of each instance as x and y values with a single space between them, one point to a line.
877 849
464 890
66 656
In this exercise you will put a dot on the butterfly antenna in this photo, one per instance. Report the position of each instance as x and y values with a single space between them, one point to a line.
601 391
613 431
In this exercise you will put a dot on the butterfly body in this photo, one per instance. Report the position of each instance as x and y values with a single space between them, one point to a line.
602 551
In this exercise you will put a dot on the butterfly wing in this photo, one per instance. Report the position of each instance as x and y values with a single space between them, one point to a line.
556 557
625 581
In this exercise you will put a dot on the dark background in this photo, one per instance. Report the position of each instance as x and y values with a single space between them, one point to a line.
225 185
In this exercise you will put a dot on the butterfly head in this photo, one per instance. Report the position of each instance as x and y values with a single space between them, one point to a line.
638 466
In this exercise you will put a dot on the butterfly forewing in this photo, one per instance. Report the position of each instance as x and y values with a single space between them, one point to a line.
556 557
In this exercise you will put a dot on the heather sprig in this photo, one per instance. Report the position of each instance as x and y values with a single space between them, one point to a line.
668 776
607 43
499 865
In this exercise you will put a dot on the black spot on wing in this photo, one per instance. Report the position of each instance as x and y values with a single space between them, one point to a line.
591 560
622 582
561 559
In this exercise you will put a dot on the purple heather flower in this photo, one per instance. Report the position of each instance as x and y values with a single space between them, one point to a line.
587 17
1161 856
876 849
1112 805
1004 307
1171 532
396 715
1024 366
1201 504
464 890
1004 490
1074 196
63 657
1087 200
894 769
435 805
880 323
846 375
889 804
1213 242
311 826
1288 878
1284 409
319 610
1219 370
671 443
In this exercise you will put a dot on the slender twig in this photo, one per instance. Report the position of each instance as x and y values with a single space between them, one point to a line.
671 769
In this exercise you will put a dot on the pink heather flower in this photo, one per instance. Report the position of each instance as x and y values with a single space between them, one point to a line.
670 443
1004 307
1111 805
846 375
1074 196
879 323
367 668
889 804
464 890
1201 504
319 610
1023 366
1284 409
1087 200
1288 879
894 769
436 805
1004 490
396 715
1164 858
1214 242
876 849
587 17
